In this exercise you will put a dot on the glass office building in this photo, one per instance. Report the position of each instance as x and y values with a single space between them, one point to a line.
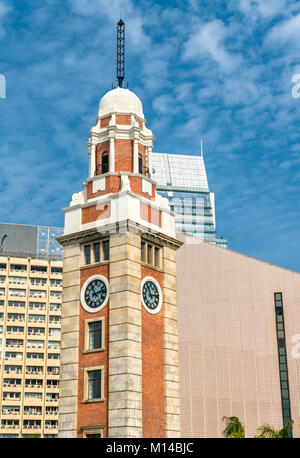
183 180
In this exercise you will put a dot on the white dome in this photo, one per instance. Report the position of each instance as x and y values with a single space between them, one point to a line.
120 101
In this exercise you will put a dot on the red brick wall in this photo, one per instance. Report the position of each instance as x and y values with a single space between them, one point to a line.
150 214
90 214
153 368
136 186
123 119
140 123
90 414
104 122
123 155
112 185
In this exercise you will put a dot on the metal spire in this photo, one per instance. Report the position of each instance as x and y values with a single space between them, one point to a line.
120 52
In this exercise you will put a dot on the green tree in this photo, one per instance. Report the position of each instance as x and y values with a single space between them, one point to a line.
266 431
234 428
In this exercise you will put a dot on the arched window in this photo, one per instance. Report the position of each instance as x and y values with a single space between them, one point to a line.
104 163
140 163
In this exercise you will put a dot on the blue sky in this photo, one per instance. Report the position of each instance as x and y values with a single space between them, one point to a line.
220 71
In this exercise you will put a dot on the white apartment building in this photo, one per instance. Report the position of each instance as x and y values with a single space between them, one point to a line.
30 313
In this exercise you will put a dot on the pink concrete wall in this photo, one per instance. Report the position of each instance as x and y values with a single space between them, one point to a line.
227 340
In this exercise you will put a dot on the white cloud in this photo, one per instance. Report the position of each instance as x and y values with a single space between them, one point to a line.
264 8
4 10
209 41
113 10
286 33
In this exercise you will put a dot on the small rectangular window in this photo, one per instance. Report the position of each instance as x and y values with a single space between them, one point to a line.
156 257
97 252
94 384
93 436
106 250
95 335
149 254
87 254
143 246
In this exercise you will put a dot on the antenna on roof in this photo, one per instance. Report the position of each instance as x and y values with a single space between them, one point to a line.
201 148
120 52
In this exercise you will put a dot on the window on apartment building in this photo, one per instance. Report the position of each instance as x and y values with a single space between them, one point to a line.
55 307
53 370
29 424
32 410
15 317
18 329
10 424
10 410
53 344
53 356
12 368
18 267
38 281
34 370
13 354
55 282
35 355
36 331
16 304
42 269
54 319
56 270
28 395
93 383
11 395
33 383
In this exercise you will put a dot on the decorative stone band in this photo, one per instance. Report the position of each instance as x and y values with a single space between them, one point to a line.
119 228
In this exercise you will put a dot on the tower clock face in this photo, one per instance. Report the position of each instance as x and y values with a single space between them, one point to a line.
95 293
151 295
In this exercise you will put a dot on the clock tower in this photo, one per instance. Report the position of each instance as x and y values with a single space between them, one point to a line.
119 349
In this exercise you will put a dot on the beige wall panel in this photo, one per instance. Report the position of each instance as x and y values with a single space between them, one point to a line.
228 361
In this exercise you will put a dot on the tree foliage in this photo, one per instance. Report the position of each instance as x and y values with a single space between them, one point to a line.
234 428
266 431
